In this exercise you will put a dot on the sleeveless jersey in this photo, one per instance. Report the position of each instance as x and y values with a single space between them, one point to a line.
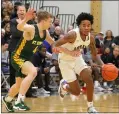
78 44
25 49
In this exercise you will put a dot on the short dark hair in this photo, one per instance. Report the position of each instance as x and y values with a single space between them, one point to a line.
84 16
41 15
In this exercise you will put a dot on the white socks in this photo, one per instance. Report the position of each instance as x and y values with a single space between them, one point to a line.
8 99
90 104
20 98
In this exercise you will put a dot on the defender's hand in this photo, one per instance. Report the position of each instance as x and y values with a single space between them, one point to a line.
29 14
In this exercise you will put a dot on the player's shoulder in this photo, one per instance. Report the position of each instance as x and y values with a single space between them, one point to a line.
72 33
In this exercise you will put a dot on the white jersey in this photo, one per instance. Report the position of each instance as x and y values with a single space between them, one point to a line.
78 44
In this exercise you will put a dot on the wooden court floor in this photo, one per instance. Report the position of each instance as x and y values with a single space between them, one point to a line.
104 103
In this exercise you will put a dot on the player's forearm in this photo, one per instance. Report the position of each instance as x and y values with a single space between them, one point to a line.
64 50
20 26
98 60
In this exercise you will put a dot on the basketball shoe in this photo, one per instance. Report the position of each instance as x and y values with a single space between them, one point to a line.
92 110
8 105
21 106
62 92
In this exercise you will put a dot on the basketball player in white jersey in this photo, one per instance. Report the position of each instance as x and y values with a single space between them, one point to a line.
77 39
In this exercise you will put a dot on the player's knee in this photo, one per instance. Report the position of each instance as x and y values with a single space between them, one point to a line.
87 77
33 71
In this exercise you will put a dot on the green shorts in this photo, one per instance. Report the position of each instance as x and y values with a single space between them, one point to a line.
17 62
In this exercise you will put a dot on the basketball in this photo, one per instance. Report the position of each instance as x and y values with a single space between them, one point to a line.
109 72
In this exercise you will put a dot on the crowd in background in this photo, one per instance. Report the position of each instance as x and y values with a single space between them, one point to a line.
107 47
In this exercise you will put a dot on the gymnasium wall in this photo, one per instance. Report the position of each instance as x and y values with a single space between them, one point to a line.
110 16
110 12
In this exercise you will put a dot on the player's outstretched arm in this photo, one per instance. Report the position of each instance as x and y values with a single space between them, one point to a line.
68 38
94 54
22 26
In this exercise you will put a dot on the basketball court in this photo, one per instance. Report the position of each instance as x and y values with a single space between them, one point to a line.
104 103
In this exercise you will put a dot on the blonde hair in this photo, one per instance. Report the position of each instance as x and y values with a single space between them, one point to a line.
42 15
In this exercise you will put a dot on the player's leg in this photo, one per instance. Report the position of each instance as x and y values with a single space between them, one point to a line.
69 83
31 72
11 94
85 72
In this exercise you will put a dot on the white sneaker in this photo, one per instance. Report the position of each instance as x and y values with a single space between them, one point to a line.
42 90
92 110
61 90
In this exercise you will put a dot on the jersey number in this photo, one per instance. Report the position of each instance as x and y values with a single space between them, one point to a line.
34 51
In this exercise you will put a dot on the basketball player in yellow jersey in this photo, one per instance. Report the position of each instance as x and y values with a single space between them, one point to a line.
77 39
33 36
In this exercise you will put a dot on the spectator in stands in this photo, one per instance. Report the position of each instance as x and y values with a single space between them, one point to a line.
56 22
70 27
10 9
6 20
2 36
108 39
39 61
56 33
4 12
114 57
105 55
4 58
5 4
99 42
14 14
55 68
115 41
7 35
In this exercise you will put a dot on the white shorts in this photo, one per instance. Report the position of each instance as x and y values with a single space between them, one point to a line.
69 69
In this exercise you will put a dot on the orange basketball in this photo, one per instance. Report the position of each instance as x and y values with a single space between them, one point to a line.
109 72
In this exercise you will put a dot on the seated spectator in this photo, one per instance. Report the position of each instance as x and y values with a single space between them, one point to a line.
108 40
56 33
10 9
2 36
56 23
39 61
4 58
115 41
114 57
99 42
6 20
105 55
7 35
4 12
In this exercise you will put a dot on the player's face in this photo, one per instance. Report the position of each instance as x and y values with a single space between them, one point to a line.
85 27
47 23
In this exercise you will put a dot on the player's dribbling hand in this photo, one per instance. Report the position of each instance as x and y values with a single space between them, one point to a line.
56 50
29 14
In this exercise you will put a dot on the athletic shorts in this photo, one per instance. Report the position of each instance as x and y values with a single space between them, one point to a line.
69 69
17 62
